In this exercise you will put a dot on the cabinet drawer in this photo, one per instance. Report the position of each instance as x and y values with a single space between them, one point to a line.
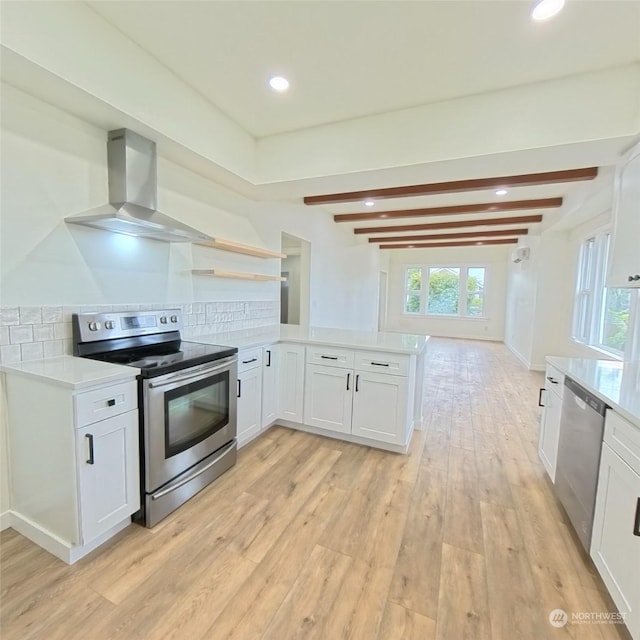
249 359
623 438
554 380
396 364
330 357
105 402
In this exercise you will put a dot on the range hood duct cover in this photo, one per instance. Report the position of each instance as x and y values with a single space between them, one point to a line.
133 194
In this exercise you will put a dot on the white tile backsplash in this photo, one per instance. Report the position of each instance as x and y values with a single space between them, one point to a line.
32 351
21 333
9 316
28 333
43 332
10 353
30 315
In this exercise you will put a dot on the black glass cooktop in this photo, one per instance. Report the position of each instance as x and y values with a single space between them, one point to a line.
156 360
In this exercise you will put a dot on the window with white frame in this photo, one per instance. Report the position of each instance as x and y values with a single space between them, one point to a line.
601 314
445 290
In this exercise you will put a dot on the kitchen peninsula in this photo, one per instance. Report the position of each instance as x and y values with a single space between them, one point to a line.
361 386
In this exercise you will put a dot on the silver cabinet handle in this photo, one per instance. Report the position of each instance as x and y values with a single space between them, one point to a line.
198 373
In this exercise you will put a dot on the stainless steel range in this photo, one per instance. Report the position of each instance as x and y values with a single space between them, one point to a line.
187 401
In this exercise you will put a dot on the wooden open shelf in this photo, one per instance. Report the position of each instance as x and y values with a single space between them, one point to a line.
241 275
236 247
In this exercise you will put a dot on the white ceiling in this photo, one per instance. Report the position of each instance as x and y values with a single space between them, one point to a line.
354 58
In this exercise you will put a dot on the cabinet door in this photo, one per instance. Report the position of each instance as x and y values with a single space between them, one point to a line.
249 404
550 432
108 473
269 385
624 259
380 407
328 398
291 372
615 546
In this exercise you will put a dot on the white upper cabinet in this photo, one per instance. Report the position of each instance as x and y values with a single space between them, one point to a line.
624 261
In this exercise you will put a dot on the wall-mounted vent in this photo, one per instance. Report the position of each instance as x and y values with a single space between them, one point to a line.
520 254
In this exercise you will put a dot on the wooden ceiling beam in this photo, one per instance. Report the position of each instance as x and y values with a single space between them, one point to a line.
449 225
485 207
453 236
430 245
459 186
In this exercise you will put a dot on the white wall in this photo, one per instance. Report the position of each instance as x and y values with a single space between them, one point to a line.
291 265
489 328
540 296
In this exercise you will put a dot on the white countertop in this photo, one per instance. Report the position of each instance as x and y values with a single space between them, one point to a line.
69 371
348 338
614 382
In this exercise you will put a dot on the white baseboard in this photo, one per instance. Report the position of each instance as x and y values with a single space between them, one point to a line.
376 444
5 520
66 551
518 355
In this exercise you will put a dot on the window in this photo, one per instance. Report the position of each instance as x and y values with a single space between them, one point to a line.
445 291
601 314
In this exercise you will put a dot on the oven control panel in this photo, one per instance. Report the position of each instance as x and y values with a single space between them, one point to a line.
91 327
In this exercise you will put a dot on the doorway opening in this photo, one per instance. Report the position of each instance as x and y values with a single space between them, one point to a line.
294 291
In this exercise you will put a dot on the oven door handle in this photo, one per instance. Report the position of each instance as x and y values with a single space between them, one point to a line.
177 485
192 375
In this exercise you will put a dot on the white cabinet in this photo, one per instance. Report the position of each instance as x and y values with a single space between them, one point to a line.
269 385
615 545
551 400
108 482
359 401
379 407
624 260
75 478
328 397
291 370
249 393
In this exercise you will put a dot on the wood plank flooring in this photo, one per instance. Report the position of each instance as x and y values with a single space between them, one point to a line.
312 538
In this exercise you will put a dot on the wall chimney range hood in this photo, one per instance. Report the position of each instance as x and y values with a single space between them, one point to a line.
132 208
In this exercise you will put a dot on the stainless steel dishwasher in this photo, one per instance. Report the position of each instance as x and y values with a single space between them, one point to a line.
579 448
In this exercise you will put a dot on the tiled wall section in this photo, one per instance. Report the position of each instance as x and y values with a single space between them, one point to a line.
31 333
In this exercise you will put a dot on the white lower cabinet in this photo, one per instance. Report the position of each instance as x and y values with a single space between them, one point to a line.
75 465
358 402
291 370
269 385
249 404
108 482
379 407
551 401
615 545
328 397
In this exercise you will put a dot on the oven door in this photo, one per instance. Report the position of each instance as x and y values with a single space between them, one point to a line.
187 416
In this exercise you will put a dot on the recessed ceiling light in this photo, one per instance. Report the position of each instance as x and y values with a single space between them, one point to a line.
501 192
546 9
369 203
278 83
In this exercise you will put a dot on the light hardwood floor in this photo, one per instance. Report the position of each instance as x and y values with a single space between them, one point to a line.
310 538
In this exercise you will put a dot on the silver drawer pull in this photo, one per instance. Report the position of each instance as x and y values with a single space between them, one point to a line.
222 454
